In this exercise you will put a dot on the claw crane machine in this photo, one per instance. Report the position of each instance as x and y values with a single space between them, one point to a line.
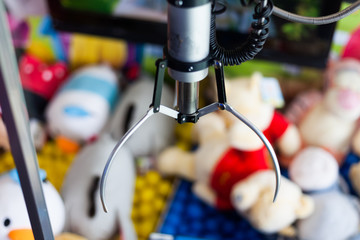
165 23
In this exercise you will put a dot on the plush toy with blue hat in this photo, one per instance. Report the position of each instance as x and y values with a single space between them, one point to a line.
13 213
81 107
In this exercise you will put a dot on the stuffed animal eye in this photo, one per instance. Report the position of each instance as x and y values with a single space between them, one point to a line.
7 222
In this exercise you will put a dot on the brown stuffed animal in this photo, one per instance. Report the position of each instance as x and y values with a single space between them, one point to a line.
332 122
228 150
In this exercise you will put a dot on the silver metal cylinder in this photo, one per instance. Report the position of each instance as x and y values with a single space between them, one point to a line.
189 39
187 97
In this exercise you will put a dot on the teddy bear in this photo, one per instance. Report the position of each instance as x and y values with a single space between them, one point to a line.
228 150
332 121
253 199
13 212
336 212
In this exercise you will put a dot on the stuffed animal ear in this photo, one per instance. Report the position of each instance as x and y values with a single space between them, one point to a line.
255 80
306 207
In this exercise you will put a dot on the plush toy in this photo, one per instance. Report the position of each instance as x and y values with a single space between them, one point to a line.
13 212
336 213
80 191
253 198
81 107
39 81
156 133
4 140
81 187
228 150
331 122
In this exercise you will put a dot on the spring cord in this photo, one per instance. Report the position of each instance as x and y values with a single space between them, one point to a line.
254 43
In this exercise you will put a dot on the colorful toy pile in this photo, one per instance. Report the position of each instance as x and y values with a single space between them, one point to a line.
212 180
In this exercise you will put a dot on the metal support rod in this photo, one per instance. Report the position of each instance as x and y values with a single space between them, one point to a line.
17 125
187 97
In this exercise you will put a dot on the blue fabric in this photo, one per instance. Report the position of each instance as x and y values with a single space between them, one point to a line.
92 84
15 176
350 159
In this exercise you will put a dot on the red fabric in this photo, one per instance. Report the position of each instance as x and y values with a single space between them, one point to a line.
277 127
40 78
352 49
236 165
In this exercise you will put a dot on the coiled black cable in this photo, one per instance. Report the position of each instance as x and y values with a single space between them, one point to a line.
254 43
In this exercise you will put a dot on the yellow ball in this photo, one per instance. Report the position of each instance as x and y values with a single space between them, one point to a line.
146 210
159 204
147 195
152 177
145 229
139 183
164 188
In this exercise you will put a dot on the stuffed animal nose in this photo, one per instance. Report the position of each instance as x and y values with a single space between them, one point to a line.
21 234
67 145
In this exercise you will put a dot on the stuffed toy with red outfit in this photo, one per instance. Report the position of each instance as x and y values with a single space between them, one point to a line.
331 122
228 150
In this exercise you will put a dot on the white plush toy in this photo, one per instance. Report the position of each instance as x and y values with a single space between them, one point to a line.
253 198
81 187
82 106
336 213
228 150
80 191
13 213
157 132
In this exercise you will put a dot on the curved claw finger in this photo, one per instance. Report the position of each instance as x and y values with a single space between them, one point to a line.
265 141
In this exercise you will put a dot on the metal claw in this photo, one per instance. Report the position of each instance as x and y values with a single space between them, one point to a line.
172 113
162 109
264 140
117 147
